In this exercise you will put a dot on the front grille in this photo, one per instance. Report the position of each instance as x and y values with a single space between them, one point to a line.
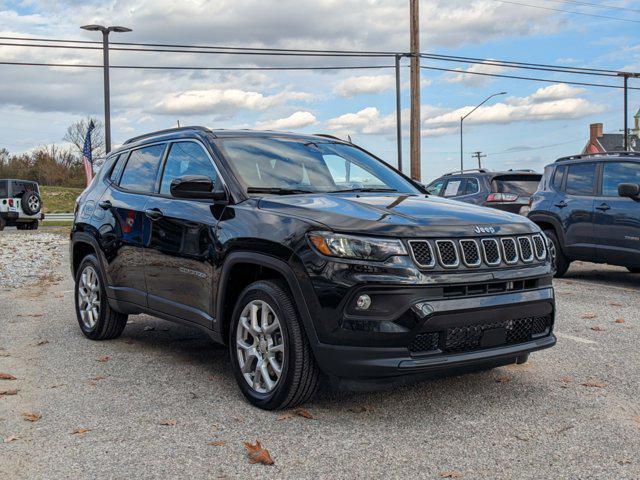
470 253
422 253
509 250
491 251
468 338
526 251
538 243
447 253
425 342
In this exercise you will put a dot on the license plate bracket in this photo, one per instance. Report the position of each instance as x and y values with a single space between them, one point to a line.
493 337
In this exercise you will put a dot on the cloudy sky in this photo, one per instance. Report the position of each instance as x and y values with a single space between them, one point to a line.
529 127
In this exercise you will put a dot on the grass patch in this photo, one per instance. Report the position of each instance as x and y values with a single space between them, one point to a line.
56 223
59 199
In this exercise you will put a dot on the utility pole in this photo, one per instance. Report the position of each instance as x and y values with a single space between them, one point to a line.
414 33
105 69
479 156
398 114
626 76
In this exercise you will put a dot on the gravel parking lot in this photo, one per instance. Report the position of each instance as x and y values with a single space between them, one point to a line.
161 402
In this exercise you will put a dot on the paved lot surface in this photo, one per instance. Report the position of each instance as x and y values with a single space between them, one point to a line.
571 412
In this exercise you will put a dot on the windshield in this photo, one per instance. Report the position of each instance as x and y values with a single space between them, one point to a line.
282 165
525 185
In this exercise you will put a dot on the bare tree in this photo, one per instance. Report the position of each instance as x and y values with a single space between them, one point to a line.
77 132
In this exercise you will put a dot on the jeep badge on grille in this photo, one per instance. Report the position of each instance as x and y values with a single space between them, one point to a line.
480 229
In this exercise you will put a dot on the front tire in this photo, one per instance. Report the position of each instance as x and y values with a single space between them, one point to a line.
97 320
561 262
270 355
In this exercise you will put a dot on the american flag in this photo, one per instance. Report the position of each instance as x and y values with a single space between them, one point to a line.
87 159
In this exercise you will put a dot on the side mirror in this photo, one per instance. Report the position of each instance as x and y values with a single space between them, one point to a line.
629 190
195 186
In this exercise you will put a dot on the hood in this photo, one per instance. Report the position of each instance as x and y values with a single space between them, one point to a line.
398 215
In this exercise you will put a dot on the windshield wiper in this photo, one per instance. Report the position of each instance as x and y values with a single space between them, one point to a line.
277 190
364 189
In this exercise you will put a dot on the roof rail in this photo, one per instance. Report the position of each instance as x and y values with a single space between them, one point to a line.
168 130
524 170
333 137
458 172
603 154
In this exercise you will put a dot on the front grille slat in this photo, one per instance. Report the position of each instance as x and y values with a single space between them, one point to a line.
470 253
510 250
448 253
526 250
422 253
539 246
491 251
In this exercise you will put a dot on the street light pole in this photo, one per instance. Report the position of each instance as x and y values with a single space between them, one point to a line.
105 71
461 123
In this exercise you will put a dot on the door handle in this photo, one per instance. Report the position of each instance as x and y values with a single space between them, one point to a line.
561 204
105 205
604 207
154 213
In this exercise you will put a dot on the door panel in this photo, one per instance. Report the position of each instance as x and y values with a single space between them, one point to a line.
577 210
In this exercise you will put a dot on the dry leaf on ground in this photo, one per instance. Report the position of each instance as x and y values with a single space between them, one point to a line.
452 474
216 443
301 412
170 423
594 384
7 376
619 320
362 409
615 304
104 358
597 328
637 419
31 416
10 439
503 379
285 416
4 354
41 342
589 315
258 454
80 431
9 392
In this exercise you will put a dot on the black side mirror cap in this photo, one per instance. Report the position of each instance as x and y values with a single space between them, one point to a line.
196 186
629 190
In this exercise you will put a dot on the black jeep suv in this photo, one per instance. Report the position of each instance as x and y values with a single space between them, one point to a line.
589 207
310 258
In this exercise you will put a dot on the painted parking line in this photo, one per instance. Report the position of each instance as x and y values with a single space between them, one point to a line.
575 339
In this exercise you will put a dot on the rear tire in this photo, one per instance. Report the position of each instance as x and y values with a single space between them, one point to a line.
275 339
561 262
97 320
634 269
3 223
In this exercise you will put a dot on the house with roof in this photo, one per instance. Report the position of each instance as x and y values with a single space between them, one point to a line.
600 142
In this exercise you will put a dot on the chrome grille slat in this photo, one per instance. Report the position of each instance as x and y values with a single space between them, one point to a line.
526 249
447 253
422 253
470 253
509 250
539 247
491 252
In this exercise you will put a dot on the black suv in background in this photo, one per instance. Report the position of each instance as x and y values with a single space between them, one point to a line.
509 191
589 206
310 258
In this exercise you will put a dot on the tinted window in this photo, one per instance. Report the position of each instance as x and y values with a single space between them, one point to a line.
453 188
117 167
140 172
435 187
4 192
558 177
186 158
20 187
580 179
524 185
472 186
613 174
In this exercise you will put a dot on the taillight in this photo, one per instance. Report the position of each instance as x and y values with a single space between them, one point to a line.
502 197
11 202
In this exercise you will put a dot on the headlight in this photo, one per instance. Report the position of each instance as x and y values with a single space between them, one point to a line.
358 248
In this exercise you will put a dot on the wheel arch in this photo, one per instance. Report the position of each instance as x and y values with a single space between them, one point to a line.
548 222
83 244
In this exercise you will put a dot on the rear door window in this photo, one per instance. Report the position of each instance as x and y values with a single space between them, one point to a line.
581 179
435 188
521 185
615 173
472 186
454 187
141 170
117 167
558 177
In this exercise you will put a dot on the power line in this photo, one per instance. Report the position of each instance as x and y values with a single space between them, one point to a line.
569 11
546 80
595 5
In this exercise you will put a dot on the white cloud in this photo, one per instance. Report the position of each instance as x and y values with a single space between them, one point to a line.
352 86
472 78
295 120
367 121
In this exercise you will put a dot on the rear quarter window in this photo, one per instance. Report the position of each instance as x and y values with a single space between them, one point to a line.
523 185
4 190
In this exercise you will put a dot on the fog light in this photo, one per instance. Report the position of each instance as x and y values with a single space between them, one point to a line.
423 309
363 302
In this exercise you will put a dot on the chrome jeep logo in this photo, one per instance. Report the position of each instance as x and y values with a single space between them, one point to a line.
480 229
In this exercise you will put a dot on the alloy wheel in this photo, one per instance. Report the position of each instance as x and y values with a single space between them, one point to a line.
260 346
89 297
34 204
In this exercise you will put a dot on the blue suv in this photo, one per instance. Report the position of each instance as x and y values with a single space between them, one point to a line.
589 207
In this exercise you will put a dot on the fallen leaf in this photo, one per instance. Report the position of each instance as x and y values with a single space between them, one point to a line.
615 304
10 439
503 379
31 416
42 342
597 328
637 419
217 443
80 431
594 384
589 315
301 412
170 423
9 392
285 416
104 358
623 461
58 385
362 409
4 354
619 320
212 377
7 376
258 454
452 474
